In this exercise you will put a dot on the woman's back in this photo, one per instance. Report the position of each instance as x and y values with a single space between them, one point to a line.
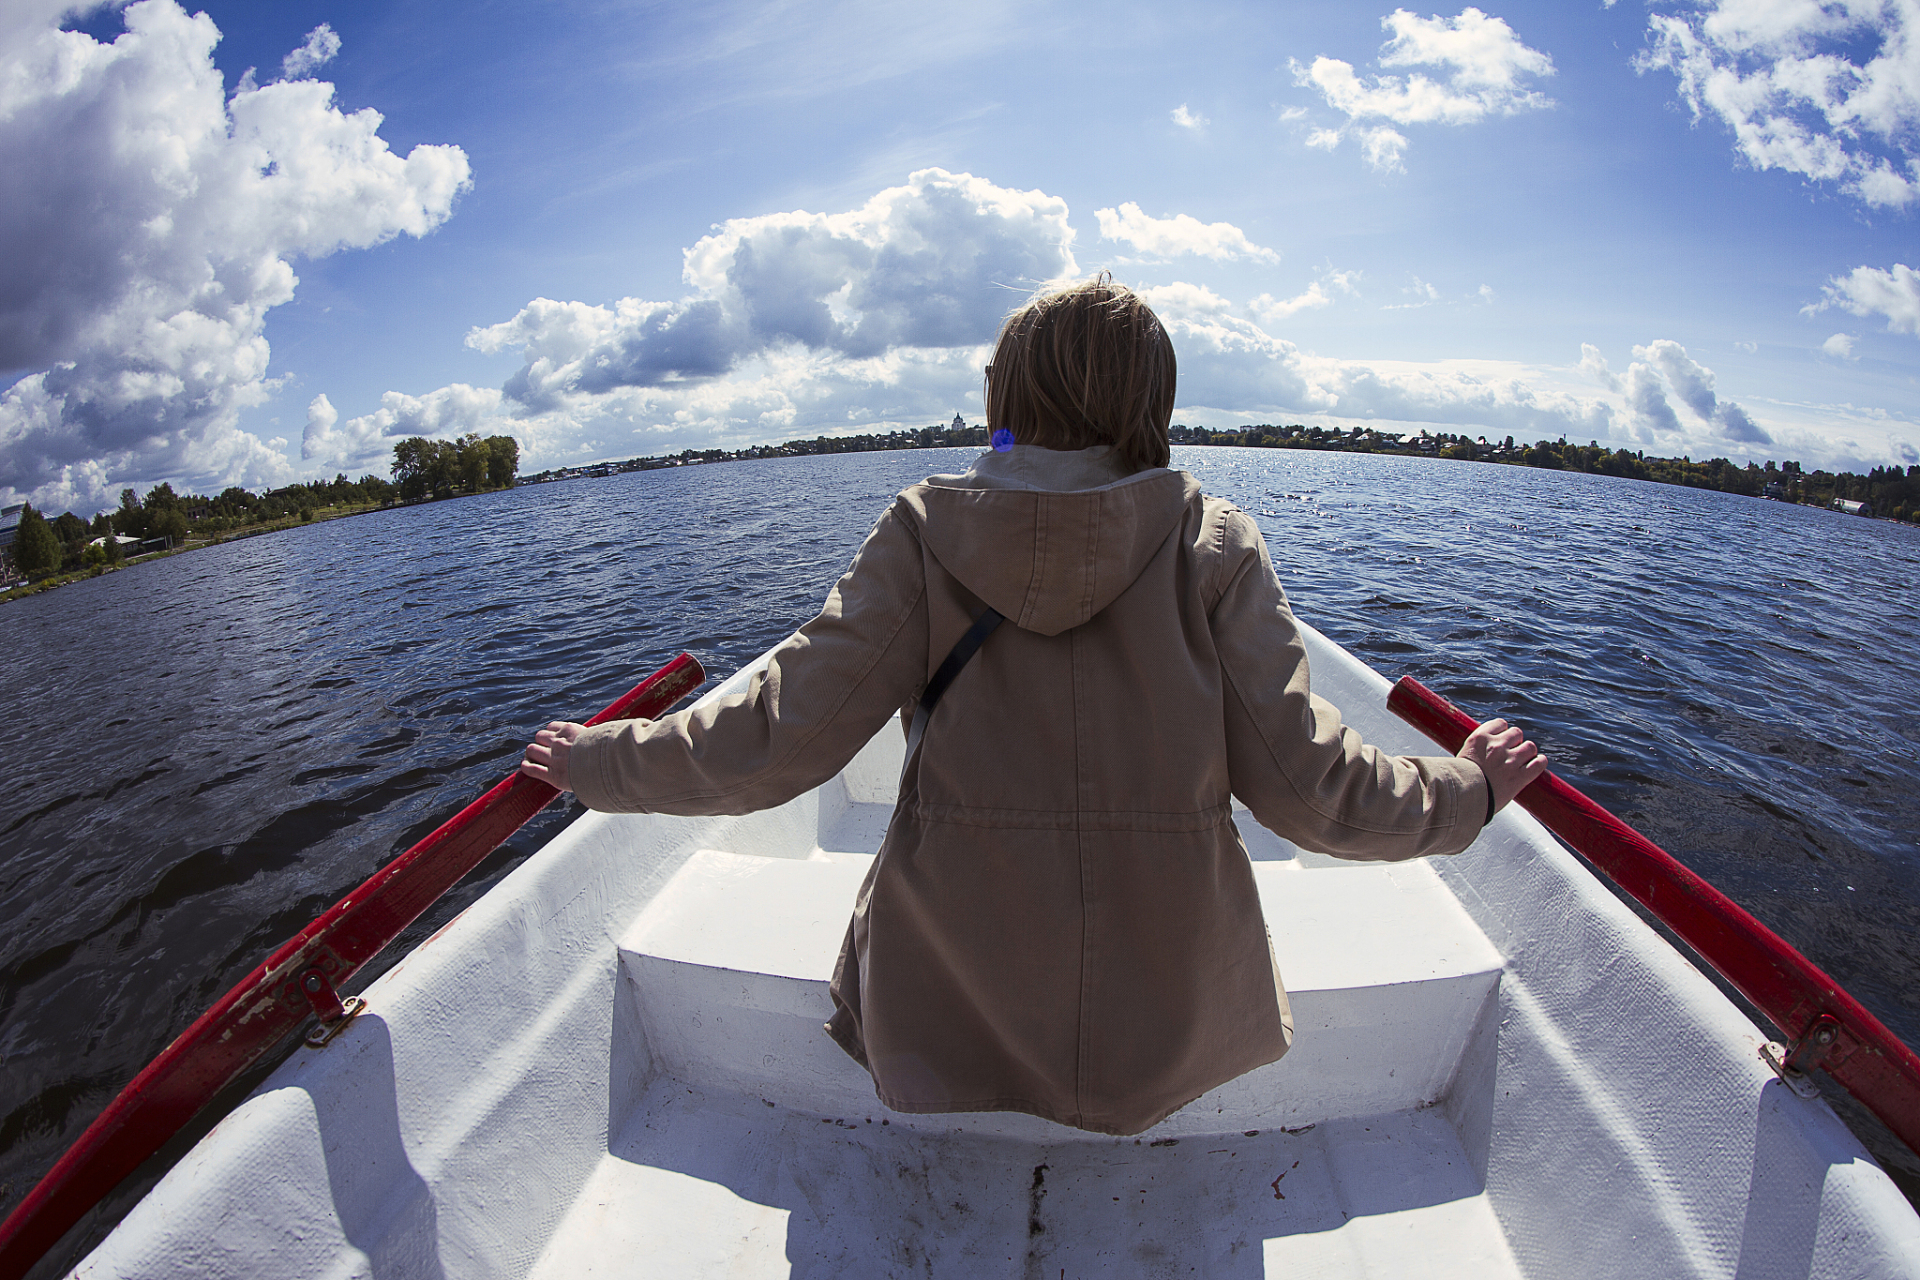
1062 919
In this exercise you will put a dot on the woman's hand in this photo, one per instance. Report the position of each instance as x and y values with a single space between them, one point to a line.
1504 754
545 759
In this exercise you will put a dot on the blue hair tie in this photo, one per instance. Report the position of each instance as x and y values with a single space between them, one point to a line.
1002 441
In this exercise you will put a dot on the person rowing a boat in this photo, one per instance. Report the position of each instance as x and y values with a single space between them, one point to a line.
1062 918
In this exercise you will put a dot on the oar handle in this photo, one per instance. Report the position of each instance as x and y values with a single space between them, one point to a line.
1793 992
269 1002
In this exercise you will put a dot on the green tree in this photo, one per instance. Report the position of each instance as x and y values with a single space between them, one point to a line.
35 548
169 524
471 453
235 503
131 518
412 459
160 498
503 461
71 533
423 467
443 474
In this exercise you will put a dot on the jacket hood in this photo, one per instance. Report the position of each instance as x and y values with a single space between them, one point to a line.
1046 537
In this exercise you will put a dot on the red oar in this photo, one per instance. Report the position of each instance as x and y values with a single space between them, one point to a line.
296 981
1821 1024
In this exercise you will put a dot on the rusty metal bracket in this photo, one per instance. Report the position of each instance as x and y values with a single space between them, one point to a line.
1794 1065
334 1013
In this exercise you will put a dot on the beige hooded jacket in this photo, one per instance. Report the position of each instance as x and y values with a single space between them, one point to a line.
1062 918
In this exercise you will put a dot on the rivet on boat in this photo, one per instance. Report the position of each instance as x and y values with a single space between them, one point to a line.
1793 1064
334 1013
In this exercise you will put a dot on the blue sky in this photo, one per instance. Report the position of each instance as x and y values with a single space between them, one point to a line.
615 229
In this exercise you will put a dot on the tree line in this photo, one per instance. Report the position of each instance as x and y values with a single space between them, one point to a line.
956 435
424 468
421 469
1891 491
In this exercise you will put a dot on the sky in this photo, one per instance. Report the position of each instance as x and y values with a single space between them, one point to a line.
259 242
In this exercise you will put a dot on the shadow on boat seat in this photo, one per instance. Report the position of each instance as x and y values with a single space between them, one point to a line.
720 1184
385 1207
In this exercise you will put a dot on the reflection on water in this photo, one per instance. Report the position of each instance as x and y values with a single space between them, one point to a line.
207 751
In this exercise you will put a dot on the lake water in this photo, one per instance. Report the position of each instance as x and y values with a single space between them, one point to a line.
206 751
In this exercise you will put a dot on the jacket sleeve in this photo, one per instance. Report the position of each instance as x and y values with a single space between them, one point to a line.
1305 775
825 691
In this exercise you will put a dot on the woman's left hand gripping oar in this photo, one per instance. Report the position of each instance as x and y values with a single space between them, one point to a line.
545 759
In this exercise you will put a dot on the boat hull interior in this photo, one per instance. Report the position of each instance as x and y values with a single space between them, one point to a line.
613 1065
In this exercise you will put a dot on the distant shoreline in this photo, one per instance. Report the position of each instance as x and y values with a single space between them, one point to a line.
320 515
1892 496
1887 491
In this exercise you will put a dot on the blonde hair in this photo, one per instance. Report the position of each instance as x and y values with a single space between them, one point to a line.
1086 365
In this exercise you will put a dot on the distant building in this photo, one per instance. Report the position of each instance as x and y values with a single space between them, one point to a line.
959 423
9 529
1852 508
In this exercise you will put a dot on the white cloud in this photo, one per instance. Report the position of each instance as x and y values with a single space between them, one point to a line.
1692 382
1270 308
1232 366
1317 294
1182 233
1827 90
1183 299
935 263
562 412
1668 363
319 439
796 322
1424 294
1661 368
794 326
1594 365
1382 148
1839 346
1188 119
1654 421
1482 65
140 322
1869 291
367 441
320 47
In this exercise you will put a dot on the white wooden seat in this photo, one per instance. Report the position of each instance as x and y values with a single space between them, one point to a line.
729 965
757 1128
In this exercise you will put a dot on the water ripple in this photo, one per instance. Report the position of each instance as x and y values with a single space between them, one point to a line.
210 749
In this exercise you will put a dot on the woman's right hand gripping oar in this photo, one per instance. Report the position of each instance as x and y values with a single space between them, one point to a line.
1508 758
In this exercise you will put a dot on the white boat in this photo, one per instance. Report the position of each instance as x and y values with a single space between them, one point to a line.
613 1065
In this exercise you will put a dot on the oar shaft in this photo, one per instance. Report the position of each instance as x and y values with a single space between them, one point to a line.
1793 992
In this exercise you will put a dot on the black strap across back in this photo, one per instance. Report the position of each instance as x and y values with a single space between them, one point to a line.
962 653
